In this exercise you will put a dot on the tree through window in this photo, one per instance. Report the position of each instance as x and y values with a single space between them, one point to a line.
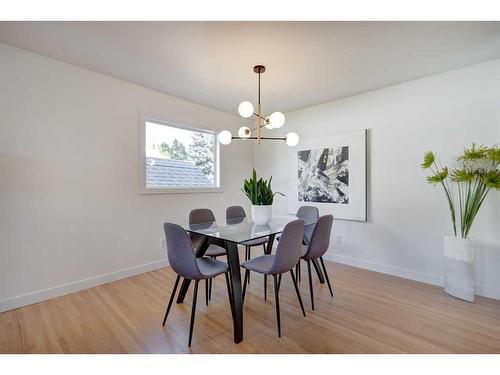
177 157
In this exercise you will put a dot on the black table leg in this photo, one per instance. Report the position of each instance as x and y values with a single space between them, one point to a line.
234 270
202 248
269 247
319 272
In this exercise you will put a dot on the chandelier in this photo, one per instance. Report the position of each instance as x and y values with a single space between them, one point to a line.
274 121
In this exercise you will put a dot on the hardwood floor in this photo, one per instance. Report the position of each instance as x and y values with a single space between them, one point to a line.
370 313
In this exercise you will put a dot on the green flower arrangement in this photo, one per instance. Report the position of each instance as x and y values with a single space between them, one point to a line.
467 186
259 191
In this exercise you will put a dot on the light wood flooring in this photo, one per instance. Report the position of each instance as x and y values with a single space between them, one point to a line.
370 313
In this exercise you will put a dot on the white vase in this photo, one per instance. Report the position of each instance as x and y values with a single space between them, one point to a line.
459 267
261 215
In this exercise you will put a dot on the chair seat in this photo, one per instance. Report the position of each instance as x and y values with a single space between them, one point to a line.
260 264
215 251
256 242
303 250
211 267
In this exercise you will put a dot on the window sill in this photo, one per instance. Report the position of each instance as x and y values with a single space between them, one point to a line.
148 191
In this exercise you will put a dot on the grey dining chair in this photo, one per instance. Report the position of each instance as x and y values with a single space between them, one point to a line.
306 213
184 262
317 247
235 213
286 257
311 213
202 216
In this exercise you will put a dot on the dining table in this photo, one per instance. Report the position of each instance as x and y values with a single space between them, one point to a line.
229 234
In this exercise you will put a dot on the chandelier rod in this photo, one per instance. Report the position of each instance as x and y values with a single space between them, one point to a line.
260 113
266 138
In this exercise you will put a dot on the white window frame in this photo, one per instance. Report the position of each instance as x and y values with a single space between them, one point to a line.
143 189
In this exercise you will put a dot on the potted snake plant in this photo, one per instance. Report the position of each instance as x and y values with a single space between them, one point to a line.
465 188
261 197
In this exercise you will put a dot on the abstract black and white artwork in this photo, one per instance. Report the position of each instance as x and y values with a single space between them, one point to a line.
323 175
329 172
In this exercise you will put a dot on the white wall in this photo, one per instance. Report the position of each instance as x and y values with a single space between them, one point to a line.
406 216
70 213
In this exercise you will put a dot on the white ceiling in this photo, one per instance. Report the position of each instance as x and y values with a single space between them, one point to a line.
307 62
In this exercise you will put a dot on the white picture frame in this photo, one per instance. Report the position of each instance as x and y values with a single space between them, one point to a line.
341 189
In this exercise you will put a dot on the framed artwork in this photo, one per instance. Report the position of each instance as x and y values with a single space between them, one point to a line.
329 173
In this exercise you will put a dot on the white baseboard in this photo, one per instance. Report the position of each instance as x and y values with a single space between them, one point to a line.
488 291
75 286
423 277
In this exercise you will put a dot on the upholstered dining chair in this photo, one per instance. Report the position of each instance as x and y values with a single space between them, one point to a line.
202 216
311 213
306 213
236 212
184 262
316 248
286 257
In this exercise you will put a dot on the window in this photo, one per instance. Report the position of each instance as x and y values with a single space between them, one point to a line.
178 159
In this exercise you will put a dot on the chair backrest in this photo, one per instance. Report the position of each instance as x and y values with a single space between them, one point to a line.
234 212
201 215
289 247
180 251
308 212
320 239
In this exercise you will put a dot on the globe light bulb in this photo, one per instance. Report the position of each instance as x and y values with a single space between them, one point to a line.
292 139
225 137
276 120
245 109
244 132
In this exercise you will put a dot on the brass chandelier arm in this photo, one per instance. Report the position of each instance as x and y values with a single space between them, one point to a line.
262 117
266 138
261 125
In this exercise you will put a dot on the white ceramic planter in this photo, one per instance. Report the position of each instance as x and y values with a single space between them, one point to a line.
459 267
261 215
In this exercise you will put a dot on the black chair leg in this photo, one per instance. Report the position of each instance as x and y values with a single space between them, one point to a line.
210 286
310 283
279 282
297 291
265 276
297 270
210 289
193 311
207 281
171 299
249 256
277 302
265 287
245 282
326 275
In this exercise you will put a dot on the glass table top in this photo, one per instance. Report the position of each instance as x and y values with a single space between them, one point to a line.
243 229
